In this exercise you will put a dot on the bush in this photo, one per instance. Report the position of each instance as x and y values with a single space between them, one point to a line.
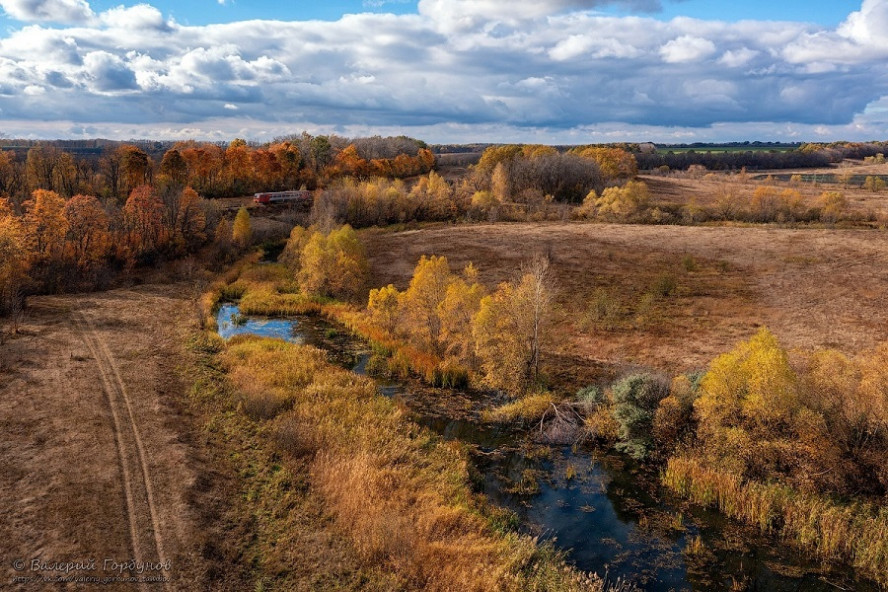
674 421
604 311
623 203
592 397
874 184
665 285
635 400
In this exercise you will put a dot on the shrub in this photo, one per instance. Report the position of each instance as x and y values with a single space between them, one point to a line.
622 203
674 419
832 206
635 399
665 285
874 184
592 397
604 311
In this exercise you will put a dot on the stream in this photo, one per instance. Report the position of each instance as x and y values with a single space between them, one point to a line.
608 513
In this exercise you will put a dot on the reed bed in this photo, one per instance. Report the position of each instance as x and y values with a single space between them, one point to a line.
398 492
855 533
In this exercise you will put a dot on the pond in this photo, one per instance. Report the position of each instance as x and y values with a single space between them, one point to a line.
609 514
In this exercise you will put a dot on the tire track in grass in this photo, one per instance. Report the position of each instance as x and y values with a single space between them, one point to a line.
138 490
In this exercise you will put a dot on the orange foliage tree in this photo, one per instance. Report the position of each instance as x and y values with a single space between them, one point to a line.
143 219
191 221
87 239
45 224
13 257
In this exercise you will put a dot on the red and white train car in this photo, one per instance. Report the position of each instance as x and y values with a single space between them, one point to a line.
271 197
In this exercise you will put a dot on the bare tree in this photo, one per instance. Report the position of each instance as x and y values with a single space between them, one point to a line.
537 277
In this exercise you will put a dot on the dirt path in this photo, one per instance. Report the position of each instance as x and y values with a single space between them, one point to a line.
99 459
147 540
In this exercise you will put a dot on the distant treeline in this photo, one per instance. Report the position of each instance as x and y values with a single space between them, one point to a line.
715 157
111 170
804 156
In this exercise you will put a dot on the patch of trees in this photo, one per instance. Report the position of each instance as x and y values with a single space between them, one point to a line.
532 174
328 264
726 161
379 202
806 156
53 244
767 204
793 442
452 329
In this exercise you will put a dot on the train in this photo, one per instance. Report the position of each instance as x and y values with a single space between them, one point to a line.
270 197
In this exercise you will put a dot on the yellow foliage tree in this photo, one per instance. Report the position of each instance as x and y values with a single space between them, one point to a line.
496 155
333 264
753 419
623 202
350 268
509 329
242 231
292 253
462 302
424 298
753 382
383 307
434 196
614 163
13 257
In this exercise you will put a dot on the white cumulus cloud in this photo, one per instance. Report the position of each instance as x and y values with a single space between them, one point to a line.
520 70
57 11
687 48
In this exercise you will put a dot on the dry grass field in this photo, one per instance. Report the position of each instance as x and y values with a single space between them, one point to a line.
672 297
101 456
707 189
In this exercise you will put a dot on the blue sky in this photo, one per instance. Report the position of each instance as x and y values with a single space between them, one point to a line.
202 12
555 71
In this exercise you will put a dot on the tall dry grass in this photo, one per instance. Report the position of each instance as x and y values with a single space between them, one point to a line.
400 494
855 533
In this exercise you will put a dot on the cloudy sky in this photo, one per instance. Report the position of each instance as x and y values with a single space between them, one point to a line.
553 71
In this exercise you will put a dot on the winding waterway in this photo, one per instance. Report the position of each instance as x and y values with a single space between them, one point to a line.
608 513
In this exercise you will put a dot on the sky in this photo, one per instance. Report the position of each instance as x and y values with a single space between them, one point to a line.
446 71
